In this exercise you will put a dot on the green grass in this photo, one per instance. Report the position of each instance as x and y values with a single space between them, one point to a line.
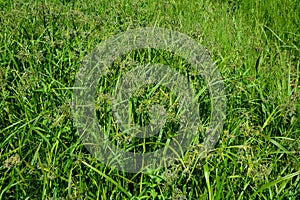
256 47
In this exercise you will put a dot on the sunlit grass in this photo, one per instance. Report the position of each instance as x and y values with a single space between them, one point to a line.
255 47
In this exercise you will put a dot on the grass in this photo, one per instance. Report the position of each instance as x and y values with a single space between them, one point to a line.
255 47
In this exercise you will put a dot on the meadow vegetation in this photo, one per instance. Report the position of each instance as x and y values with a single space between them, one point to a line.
254 44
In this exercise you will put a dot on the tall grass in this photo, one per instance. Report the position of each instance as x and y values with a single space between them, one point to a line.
255 45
